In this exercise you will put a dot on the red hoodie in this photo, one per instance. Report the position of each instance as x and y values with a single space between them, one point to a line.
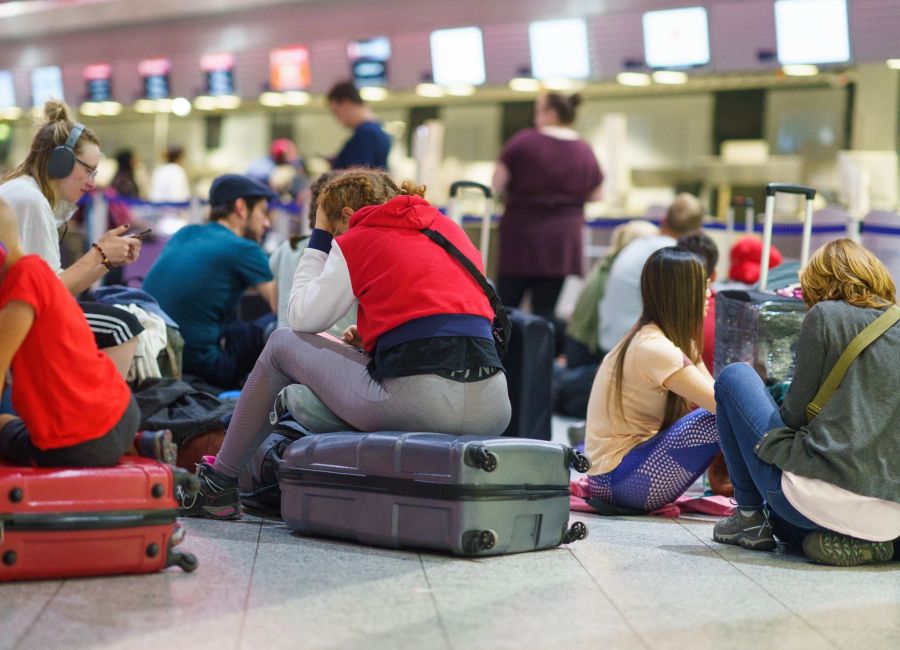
398 274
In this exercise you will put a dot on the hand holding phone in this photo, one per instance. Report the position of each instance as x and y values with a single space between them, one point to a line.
142 235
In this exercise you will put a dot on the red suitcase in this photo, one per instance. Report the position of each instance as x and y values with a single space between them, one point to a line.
72 522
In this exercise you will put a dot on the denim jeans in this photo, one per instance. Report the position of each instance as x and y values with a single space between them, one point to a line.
745 413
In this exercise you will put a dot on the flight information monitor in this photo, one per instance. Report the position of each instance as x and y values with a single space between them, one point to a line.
46 83
155 73
457 56
812 31
98 82
219 72
559 49
368 61
289 69
676 38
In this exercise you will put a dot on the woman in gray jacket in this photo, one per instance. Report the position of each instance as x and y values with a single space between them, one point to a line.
832 484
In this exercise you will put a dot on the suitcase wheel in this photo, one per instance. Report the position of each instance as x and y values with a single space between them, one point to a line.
187 561
575 532
476 541
578 461
478 456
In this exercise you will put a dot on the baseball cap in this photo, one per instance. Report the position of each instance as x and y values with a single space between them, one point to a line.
229 187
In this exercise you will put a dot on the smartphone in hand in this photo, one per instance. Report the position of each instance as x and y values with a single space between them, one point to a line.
142 235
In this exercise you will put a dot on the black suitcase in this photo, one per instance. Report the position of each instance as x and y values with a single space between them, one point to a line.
529 375
470 495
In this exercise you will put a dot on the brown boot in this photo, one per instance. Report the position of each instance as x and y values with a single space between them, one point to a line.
719 481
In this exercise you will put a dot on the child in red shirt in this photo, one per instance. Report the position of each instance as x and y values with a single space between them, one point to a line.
75 408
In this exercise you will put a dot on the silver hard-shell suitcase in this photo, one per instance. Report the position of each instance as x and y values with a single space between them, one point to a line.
469 495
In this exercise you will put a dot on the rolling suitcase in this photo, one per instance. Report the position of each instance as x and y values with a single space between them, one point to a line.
529 375
762 328
469 495
73 522
484 238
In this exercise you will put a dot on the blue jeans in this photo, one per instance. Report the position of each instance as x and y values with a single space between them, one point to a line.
745 413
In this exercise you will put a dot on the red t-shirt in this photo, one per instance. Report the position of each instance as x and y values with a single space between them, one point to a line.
64 389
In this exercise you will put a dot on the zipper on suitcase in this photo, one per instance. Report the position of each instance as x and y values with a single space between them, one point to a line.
103 520
419 489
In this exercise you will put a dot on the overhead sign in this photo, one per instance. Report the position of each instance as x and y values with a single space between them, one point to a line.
98 82
368 61
155 73
219 71
46 84
289 69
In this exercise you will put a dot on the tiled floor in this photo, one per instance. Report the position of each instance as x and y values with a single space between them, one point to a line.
634 583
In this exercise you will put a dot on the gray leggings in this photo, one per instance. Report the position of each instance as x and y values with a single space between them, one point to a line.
337 374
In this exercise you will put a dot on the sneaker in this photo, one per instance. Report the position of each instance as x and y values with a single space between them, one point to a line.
840 550
753 532
217 499
157 445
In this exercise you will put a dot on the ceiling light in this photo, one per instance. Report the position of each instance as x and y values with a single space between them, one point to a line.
373 93
10 113
525 84
460 90
228 102
163 105
670 77
181 106
633 79
144 106
429 90
273 100
296 98
205 103
894 64
561 85
110 108
89 109
800 70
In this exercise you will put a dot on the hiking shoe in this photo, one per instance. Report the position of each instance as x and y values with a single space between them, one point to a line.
217 498
840 550
753 532
157 445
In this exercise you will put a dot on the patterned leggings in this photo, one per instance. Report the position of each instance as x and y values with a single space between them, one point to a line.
658 471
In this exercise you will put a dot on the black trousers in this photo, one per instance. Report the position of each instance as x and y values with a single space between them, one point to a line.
544 295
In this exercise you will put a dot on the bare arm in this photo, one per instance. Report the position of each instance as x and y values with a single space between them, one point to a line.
16 320
693 385
501 178
119 250
269 293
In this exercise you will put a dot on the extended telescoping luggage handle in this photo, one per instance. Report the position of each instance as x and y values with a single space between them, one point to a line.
784 188
485 235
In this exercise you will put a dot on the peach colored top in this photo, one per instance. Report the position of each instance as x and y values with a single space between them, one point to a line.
650 360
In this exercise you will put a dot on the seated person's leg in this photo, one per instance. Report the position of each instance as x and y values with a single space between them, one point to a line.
115 331
745 412
243 343
105 451
659 470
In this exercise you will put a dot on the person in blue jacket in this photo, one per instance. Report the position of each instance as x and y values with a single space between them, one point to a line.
369 145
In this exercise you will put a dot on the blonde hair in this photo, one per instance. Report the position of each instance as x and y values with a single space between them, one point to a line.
52 132
685 214
844 270
625 233
357 188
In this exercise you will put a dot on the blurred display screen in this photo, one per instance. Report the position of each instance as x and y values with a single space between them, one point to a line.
368 61
98 82
46 83
559 49
219 71
7 91
289 69
457 56
155 73
676 38
812 31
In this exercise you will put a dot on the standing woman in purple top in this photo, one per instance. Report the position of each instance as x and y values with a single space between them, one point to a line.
547 173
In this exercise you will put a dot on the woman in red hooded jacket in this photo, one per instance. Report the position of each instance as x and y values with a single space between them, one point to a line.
428 360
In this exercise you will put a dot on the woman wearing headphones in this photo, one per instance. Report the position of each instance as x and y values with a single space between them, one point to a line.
42 192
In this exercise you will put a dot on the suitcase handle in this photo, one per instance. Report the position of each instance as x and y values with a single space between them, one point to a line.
458 185
789 188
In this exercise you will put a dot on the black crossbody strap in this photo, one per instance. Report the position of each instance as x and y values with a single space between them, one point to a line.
500 315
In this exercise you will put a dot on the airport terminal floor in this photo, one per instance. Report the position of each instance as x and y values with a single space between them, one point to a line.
635 582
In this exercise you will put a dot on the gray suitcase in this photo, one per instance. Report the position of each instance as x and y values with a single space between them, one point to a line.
469 495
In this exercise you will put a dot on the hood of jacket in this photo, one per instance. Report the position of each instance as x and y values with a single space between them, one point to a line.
404 211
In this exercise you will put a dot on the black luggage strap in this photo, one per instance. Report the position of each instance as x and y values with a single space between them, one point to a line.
501 328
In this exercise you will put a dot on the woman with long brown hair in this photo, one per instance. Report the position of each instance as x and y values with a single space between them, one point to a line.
645 443
829 481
